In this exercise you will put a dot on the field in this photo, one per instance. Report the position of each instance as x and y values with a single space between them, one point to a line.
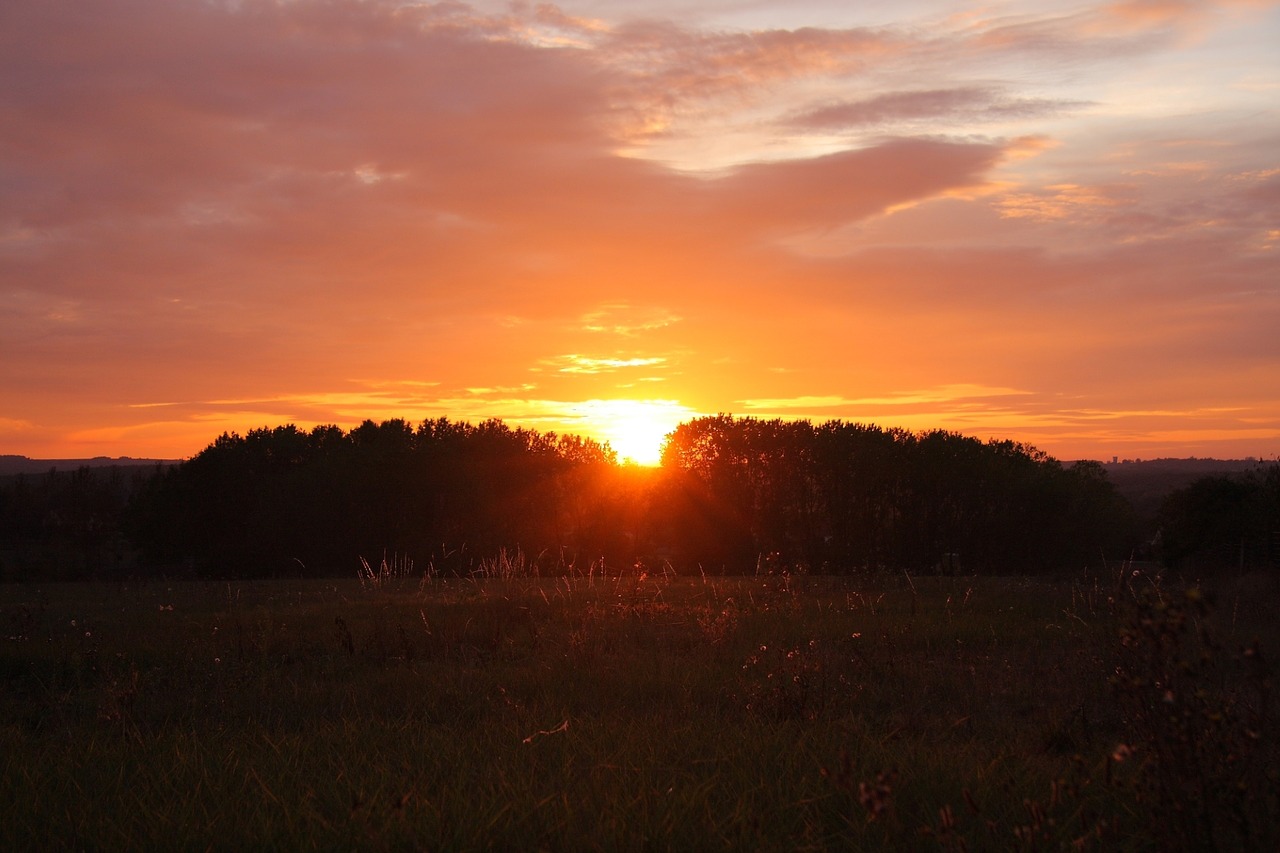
639 712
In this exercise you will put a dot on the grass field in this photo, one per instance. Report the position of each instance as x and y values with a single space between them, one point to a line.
639 712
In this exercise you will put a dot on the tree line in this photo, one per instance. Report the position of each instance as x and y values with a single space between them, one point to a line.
732 495
1223 523
447 494
853 496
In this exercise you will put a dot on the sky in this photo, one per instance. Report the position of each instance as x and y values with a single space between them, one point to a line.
1052 222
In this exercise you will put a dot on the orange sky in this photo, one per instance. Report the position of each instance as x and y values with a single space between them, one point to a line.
1052 222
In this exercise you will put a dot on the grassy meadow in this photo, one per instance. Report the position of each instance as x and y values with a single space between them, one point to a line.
639 712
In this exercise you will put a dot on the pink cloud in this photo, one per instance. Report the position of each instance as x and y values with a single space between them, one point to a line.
974 103
831 190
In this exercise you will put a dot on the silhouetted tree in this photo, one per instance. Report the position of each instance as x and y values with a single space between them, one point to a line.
280 500
731 492
1221 523
850 496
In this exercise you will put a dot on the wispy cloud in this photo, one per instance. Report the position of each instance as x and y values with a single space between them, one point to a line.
627 320
943 394
589 365
972 104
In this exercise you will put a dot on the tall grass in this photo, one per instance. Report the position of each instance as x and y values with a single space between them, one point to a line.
634 710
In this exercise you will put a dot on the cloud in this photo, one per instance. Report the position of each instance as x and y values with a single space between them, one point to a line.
944 393
627 320
668 67
824 192
586 364
970 103
1064 201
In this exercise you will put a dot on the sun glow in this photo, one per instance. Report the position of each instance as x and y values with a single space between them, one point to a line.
635 428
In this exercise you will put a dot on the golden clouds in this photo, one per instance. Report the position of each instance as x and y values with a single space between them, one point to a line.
584 364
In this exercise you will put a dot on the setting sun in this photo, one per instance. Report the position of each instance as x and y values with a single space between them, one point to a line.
627 386
635 428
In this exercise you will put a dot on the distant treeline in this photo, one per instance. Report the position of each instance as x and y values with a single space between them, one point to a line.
70 524
732 495
1224 522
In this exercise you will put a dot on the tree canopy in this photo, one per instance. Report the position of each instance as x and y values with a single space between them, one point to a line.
842 496
732 495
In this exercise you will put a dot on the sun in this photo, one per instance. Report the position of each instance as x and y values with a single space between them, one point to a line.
635 428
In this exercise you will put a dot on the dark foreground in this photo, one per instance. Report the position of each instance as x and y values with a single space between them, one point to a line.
1102 712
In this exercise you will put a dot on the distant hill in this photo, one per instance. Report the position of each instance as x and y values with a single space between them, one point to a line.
1146 483
10 465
